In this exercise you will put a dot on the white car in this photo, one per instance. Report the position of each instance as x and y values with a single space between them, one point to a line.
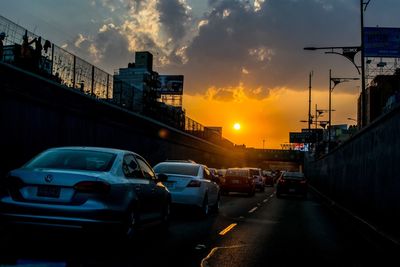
190 184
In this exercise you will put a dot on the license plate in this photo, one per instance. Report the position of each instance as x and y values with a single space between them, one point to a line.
48 191
235 182
292 190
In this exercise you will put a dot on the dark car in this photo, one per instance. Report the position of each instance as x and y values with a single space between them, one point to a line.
238 180
268 178
85 188
292 183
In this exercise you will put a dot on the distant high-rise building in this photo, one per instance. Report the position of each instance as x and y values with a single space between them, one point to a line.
142 79
144 60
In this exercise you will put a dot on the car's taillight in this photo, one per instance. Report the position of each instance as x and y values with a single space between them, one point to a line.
13 182
282 181
92 187
194 183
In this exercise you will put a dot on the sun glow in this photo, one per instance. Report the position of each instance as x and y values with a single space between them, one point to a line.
236 126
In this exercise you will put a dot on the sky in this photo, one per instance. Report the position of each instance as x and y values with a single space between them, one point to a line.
243 60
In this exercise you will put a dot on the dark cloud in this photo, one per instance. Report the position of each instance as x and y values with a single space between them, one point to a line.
174 18
238 37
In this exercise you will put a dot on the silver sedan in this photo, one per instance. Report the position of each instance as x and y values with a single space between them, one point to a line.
190 184
85 187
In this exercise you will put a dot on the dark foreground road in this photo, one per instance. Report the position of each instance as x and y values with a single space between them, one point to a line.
248 231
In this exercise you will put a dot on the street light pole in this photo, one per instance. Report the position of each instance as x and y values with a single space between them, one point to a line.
330 110
335 81
363 94
309 100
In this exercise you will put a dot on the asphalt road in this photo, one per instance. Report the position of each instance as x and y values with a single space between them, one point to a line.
248 231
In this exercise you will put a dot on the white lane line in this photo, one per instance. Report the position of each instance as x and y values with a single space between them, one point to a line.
200 246
253 210
265 200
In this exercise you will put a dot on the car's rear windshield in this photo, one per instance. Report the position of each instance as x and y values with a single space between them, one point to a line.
293 175
237 173
73 159
254 172
181 169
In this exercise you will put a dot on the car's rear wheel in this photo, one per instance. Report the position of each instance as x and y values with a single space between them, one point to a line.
216 205
131 226
204 207
166 216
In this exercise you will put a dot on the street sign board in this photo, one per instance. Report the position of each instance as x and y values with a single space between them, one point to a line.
381 42
302 137
171 84
318 133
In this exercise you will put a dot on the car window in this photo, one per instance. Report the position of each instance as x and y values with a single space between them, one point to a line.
146 169
130 167
237 173
254 172
293 175
182 169
73 159
207 174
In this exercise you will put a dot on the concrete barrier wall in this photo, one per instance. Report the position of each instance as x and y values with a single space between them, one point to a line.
363 175
36 114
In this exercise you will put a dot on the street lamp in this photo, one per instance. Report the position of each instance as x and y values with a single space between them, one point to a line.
335 82
348 52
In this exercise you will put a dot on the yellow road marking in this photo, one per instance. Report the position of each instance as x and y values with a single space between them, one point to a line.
227 229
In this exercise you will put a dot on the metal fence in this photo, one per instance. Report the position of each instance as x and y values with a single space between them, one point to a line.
54 62
64 67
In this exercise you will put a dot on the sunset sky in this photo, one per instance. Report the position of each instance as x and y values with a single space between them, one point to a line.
243 60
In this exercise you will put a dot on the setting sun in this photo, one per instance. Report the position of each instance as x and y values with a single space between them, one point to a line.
236 126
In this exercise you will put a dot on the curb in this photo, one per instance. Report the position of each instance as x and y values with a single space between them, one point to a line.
389 240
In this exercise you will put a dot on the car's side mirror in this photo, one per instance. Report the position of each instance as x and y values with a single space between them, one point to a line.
162 177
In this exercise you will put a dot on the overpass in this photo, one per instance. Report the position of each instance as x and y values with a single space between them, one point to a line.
37 113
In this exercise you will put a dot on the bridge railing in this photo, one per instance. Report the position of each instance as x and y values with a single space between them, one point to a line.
57 64
54 62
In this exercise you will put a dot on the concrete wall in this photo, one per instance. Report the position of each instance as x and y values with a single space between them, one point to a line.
36 114
363 175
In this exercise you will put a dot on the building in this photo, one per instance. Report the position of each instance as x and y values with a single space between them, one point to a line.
380 96
143 83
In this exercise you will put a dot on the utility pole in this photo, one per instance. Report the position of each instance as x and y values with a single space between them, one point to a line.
309 100
363 94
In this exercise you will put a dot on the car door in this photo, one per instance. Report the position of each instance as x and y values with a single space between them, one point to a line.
139 183
156 192
211 186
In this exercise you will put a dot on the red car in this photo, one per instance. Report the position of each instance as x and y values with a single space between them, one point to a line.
238 180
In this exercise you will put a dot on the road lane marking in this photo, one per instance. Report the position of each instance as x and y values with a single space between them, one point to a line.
265 200
204 262
253 210
200 246
227 229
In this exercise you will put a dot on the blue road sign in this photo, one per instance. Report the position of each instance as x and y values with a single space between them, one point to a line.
381 42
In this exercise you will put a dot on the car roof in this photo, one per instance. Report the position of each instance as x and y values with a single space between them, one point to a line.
93 148
180 163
